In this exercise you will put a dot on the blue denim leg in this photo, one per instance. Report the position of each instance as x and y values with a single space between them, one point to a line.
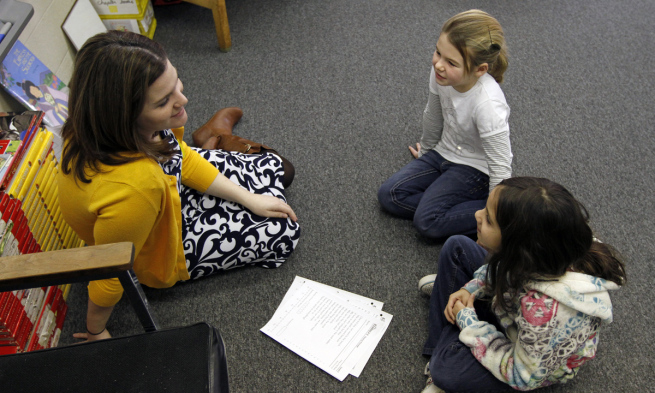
401 193
452 365
449 204
440 196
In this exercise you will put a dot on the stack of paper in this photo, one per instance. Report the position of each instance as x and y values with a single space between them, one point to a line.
334 329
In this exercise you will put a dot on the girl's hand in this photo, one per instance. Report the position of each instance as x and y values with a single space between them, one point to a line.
459 305
415 152
462 296
270 206
91 337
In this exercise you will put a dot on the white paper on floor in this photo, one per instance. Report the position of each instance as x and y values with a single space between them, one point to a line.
334 329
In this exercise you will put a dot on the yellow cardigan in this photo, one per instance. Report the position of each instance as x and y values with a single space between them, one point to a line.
135 202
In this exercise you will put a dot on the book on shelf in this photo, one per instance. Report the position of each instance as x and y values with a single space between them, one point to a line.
8 206
61 308
17 131
14 312
33 84
24 324
22 231
33 157
11 238
31 204
3 304
8 301
45 320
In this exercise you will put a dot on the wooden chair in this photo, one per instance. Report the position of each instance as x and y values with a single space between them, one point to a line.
220 21
78 264
189 359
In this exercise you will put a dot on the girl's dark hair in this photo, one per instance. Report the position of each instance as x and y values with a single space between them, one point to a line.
544 231
112 73
480 39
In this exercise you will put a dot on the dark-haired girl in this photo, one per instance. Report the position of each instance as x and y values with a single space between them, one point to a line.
523 307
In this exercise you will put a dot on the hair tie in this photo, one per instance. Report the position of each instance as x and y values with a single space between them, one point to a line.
493 48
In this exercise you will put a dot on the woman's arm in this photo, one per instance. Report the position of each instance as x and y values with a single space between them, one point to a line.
199 174
261 205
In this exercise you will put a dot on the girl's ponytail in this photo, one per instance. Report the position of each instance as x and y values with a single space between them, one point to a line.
602 261
498 67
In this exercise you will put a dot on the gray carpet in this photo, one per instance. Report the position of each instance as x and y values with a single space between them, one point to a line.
338 87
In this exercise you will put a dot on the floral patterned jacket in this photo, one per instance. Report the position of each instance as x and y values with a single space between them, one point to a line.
549 333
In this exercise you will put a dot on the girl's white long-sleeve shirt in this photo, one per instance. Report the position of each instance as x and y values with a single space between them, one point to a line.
469 128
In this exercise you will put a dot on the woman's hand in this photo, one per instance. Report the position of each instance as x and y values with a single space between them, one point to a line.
270 206
459 299
415 151
93 337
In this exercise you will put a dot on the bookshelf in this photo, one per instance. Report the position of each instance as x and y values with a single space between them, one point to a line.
30 222
18 13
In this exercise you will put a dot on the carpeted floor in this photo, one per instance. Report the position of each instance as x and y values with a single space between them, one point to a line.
338 87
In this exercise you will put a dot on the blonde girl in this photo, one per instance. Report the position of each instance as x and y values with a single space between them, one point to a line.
465 148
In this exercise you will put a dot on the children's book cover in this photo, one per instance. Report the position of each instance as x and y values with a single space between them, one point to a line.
26 78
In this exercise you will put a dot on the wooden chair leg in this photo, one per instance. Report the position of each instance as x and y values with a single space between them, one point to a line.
219 13
222 27
133 290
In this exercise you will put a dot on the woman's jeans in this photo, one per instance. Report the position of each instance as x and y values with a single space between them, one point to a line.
440 196
452 365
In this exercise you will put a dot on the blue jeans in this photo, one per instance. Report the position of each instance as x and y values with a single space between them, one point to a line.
440 196
452 365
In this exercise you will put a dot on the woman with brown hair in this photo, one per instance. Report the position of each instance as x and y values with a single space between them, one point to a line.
127 175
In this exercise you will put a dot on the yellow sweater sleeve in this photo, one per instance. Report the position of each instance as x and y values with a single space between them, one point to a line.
197 172
128 205
124 214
